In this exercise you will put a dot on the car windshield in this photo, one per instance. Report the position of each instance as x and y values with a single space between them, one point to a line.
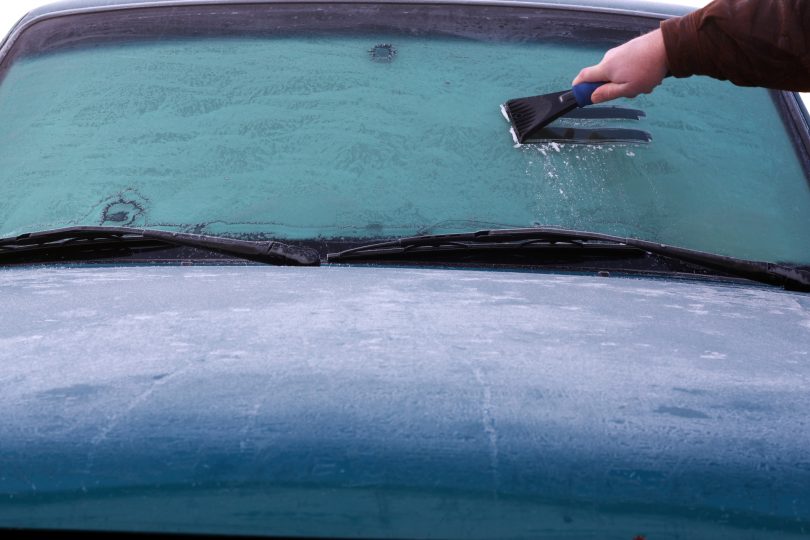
359 122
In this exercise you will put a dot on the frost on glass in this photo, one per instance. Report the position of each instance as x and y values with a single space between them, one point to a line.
308 138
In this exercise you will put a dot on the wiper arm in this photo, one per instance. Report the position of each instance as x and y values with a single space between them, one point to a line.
579 242
92 241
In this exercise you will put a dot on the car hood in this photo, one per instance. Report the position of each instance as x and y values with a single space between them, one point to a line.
583 393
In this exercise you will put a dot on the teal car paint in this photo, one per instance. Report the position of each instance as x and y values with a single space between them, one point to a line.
402 402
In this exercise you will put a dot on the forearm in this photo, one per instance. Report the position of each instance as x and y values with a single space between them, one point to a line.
748 42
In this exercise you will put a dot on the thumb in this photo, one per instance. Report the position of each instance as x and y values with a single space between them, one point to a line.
591 74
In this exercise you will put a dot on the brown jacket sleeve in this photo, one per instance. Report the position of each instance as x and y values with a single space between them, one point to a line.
749 42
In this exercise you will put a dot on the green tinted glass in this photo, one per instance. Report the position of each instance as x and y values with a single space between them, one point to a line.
328 137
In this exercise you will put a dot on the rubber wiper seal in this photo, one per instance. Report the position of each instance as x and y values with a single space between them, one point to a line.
83 238
787 276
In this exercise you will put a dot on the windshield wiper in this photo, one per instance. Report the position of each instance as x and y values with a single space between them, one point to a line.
569 243
93 242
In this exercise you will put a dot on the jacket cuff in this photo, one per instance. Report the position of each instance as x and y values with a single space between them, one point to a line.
682 44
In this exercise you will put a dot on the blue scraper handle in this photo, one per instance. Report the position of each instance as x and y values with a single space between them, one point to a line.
583 92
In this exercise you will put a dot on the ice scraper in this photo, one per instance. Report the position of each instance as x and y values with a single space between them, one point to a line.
530 114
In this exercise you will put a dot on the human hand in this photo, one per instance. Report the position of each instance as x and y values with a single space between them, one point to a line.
633 68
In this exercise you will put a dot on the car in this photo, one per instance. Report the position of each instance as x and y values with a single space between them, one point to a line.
278 269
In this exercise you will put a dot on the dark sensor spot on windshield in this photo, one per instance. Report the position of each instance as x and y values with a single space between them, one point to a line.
382 52
121 212
126 208
118 216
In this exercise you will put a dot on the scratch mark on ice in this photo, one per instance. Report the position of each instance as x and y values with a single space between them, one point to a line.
137 400
252 416
489 428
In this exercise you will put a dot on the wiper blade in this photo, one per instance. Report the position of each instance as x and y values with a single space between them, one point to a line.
577 242
89 242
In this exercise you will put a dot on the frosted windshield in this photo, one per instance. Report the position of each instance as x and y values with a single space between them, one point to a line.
296 137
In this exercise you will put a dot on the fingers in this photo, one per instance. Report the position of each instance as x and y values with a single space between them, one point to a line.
633 68
591 74
599 73
605 92
608 92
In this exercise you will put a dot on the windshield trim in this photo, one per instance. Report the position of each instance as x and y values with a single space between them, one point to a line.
74 7
794 116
